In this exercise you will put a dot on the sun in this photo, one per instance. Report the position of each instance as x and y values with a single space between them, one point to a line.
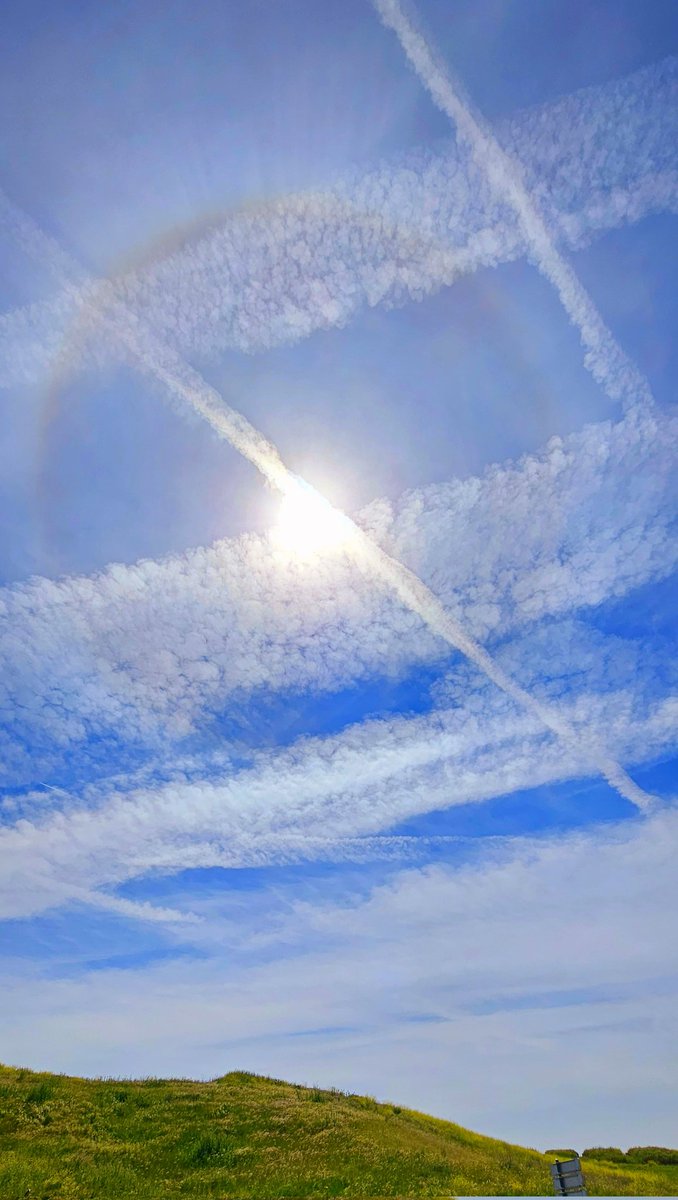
308 525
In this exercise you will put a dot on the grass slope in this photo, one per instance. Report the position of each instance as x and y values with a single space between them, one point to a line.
247 1136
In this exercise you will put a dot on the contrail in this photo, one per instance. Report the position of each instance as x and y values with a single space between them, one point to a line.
603 357
149 353
158 361
414 593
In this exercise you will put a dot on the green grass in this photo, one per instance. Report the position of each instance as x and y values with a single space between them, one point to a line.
247 1136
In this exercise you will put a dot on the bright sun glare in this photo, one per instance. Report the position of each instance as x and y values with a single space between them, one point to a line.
308 525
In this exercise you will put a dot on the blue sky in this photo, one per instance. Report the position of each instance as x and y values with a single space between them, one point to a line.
395 812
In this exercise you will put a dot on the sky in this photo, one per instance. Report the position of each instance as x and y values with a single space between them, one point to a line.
338 713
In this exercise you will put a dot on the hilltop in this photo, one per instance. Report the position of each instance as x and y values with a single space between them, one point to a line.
244 1135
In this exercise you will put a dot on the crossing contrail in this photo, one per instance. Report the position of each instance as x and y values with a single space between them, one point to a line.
603 356
158 361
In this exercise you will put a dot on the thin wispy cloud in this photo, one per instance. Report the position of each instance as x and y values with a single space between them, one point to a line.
474 985
310 801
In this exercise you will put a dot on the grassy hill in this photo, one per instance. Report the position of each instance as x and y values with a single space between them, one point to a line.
247 1136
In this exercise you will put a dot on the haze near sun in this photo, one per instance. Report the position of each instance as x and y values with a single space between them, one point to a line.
308 525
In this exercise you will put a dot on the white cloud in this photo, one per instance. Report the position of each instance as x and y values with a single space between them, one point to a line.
146 653
602 157
526 995
587 519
